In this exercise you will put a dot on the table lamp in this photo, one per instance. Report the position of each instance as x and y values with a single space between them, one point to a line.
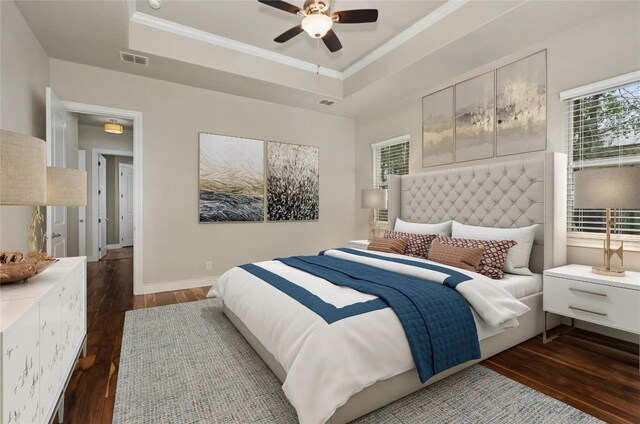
25 180
609 189
373 198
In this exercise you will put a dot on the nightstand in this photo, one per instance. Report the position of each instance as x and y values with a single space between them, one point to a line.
574 291
358 244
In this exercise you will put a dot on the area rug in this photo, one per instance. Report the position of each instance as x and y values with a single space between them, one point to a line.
187 363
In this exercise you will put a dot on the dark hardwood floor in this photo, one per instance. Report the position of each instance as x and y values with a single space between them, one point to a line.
593 373
90 396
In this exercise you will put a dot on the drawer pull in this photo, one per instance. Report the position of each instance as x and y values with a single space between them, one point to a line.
588 311
587 292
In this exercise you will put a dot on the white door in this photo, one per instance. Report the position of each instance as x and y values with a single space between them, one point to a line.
82 210
56 231
126 204
102 206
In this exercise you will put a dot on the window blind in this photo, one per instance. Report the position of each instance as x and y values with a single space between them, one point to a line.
389 158
602 129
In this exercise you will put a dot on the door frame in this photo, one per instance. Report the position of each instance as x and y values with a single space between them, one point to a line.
82 222
120 226
94 199
136 117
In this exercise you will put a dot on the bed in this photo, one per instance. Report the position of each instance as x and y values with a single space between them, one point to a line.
513 193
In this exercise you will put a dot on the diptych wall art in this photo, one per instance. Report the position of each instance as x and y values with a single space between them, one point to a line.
231 178
521 106
502 112
437 128
293 182
475 112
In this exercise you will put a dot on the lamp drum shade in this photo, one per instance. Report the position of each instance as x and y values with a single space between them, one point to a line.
113 128
66 187
374 198
23 161
601 188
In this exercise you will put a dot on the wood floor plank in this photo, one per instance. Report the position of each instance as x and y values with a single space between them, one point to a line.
596 374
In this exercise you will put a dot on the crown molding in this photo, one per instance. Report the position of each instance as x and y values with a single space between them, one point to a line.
431 19
207 37
186 31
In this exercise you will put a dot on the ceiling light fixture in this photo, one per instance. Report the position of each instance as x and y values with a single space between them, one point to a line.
317 25
113 127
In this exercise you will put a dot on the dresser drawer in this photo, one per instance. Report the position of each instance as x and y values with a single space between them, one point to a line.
607 305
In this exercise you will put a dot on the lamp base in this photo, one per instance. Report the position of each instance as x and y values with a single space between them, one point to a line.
600 270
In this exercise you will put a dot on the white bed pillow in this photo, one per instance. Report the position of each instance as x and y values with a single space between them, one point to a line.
518 258
442 229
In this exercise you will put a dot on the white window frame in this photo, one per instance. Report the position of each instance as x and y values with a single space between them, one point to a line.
405 138
586 239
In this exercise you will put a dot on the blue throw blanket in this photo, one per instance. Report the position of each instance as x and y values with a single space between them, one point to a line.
436 319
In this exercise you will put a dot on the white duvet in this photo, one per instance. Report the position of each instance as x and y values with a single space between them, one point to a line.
328 363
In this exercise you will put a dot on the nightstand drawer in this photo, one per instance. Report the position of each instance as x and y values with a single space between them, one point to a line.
607 305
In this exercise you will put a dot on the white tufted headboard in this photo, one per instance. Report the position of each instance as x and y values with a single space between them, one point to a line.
514 193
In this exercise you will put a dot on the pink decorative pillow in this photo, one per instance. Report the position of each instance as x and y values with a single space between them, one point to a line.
493 258
417 244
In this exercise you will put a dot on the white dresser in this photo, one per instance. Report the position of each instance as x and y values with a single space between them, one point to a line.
43 330
576 292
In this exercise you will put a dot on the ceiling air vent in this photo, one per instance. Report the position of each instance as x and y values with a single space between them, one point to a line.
134 58
326 102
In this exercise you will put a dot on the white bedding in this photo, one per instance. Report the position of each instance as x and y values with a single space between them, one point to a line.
327 364
520 286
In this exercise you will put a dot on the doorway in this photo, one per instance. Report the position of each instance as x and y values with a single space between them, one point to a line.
86 220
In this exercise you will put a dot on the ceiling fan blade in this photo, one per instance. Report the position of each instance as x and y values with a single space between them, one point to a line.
359 16
331 41
288 34
282 5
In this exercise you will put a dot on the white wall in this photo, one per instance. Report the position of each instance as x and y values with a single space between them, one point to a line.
89 138
24 75
175 245
591 52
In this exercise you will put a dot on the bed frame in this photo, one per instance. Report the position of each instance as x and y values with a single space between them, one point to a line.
513 193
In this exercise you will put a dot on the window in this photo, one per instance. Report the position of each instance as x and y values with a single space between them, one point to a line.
602 129
390 157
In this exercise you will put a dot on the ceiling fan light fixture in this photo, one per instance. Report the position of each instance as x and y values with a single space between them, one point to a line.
317 25
113 127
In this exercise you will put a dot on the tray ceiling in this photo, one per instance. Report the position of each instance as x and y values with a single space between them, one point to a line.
257 25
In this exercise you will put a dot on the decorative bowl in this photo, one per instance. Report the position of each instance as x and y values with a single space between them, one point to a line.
15 267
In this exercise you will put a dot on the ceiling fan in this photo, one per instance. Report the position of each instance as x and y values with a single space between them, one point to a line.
317 21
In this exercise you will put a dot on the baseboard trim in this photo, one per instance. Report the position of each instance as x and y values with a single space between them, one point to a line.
114 246
178 285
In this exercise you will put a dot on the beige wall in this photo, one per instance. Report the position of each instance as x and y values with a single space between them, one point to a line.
175 245
89 138
113 196
24 75
594 51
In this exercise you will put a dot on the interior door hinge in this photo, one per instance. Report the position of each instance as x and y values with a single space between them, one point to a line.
99 192
99 249
99 220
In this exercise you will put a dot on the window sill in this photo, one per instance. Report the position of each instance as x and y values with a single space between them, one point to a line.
597 242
